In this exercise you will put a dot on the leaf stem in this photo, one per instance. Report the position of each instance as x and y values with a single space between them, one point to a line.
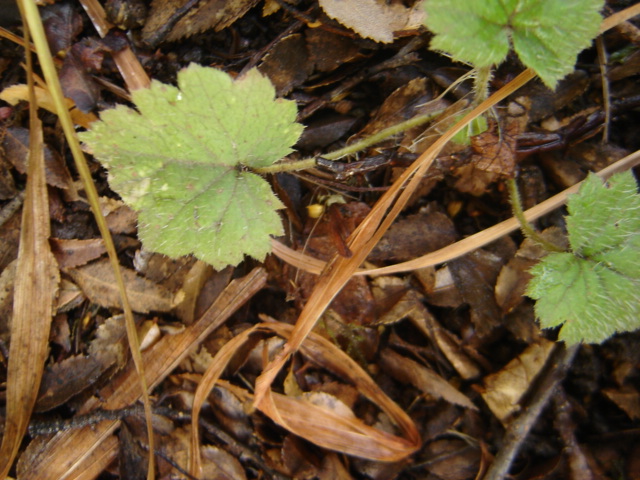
351 149
481 84
525 226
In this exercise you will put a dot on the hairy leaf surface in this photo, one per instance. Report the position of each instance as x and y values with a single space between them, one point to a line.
182 161
594 290
547 35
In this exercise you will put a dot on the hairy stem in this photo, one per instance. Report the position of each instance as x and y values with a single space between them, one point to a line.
525 226
351 149
481 85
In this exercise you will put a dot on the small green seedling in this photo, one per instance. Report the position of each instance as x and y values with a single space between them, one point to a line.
594 290
547 35
183 161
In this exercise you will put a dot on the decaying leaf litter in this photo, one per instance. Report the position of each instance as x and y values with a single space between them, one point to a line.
443 360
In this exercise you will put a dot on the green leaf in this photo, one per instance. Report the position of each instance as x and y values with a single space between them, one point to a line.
595 289
182 162
547 35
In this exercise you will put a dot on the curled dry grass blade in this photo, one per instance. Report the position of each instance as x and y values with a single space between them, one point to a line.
316 424
340 269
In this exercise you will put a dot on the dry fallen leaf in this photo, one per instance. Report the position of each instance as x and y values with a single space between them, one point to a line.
374 19
69 377
73 253
425 380
172 20
626 398
35 289
98 283
505 389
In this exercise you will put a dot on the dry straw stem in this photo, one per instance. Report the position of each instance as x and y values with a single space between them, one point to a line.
340 269
322 426
80 453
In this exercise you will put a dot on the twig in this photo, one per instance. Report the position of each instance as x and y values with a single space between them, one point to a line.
518 430
606 93
12 207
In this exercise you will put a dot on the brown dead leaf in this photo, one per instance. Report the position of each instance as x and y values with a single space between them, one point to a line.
172 20
505 389
374 19
71 376
475 277
192 285
415 235
120 218
424 379
328 50
17 93
410 305
441 290
16 149
626 398
97 281
495 149
218 464
404 102
73 253
514 276
300 461
7 183
7 280
83 58
331 425
452 459
62 23
69 296
287 64
333 468
474 181
133 461
35 289
354 304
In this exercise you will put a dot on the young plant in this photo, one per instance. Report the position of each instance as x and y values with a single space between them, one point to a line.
547 35
184 161
594 289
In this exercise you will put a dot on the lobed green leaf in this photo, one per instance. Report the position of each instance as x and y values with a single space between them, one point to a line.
547 35
181 161
594 290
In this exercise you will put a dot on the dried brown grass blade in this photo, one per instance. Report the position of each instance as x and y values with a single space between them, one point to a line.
462 247
323 427
36 284
69 452
362 241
